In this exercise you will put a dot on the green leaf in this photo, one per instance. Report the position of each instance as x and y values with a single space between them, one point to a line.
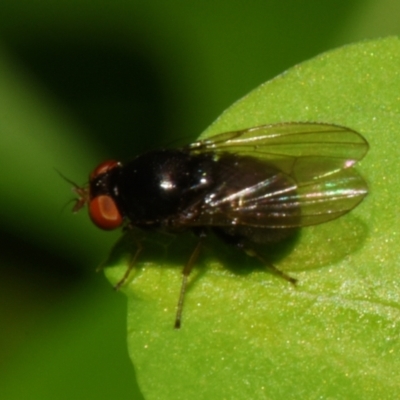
247 334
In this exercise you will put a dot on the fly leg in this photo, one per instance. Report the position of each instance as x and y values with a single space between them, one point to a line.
240 243
131 264
185 274
252 253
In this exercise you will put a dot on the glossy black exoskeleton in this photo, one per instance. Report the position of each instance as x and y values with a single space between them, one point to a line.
257 184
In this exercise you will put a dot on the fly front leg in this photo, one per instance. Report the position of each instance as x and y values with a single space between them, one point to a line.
131 264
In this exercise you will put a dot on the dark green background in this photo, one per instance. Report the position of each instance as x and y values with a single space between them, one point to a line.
81 81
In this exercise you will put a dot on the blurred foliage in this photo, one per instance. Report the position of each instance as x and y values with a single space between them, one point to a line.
88 80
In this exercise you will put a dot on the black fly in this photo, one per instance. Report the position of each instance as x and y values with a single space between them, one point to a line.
255 185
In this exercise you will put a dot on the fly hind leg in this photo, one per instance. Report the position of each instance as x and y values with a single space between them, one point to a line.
252 253
241 243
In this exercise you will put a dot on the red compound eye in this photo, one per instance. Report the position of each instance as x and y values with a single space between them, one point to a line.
103 168
104 212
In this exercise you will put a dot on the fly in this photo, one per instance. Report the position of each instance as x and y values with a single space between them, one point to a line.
255 185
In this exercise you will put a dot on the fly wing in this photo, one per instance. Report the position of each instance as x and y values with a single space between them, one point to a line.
326 147
311 179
